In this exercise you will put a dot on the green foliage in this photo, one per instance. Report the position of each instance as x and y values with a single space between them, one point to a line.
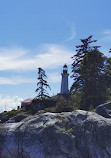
94 90
75 99
42 85
12 113
66 131
82 51
88 70
62 130
50 109
5 116
64 105
92 109
70 130
108 73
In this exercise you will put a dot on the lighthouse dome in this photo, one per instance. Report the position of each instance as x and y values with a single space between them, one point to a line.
65 67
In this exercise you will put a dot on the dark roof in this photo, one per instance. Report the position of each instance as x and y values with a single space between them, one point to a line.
65 65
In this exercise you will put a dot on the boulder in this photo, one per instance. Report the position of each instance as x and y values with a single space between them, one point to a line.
77 134
104 110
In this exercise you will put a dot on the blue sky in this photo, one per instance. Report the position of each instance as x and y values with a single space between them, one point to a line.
40 33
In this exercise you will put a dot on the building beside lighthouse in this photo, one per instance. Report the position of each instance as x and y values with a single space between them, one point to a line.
64 81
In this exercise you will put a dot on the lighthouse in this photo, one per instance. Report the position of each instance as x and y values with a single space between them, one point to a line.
64 82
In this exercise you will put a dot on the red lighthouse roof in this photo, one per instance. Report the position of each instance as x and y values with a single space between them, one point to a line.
27 100
65 65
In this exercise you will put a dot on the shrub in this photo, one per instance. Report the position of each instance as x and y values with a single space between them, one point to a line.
50 109
12 113
64 105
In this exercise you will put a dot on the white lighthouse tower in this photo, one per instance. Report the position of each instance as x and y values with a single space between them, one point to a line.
64 82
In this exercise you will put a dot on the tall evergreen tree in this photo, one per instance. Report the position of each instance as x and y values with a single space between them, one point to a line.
42 85
108 72
88 71
81 52
94 89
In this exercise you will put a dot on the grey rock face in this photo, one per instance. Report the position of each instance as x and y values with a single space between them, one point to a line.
77 134
104 110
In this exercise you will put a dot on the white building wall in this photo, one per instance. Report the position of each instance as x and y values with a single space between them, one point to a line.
64 84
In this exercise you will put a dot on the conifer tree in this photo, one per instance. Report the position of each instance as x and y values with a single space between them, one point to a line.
108 73
88 70
81 52
42 85
94 89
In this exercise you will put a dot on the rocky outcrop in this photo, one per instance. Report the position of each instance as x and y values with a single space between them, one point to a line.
17 118
77 134
104 110
5 117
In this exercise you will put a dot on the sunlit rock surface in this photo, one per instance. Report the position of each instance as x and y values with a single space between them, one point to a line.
77 134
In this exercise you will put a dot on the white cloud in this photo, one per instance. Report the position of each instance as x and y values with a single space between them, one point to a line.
47 56
106 36
54 77
15 80
107 32
9 103
54 56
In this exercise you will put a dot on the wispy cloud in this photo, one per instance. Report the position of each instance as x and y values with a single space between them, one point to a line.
106 36
15 81
71 28
54 77
105 41
47 56
72 33
9 103
107 32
